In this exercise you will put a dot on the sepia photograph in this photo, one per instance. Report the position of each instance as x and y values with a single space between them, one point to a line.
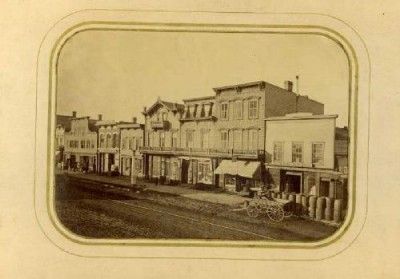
207 135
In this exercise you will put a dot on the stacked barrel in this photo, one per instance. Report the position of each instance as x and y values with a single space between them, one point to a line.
317 208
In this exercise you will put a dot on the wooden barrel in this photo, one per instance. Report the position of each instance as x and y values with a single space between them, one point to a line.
337 210
329 209
319 211
304 204
312 205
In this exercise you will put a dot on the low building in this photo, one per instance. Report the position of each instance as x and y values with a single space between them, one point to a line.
300 155
81 145
132 139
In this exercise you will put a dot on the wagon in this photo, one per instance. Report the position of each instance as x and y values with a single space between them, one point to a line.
275 209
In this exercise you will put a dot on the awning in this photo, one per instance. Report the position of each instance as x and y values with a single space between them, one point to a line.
288 168
246 169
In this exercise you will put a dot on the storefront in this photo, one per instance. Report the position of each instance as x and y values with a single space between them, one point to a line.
239 176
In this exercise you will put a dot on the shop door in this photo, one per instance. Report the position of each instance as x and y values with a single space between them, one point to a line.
185 169
324 188
293 183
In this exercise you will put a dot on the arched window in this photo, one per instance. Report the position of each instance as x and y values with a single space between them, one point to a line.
108 141
114 140
102 139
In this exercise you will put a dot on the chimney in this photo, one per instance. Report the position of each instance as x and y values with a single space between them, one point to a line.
100 117
134 120
288 85
74 114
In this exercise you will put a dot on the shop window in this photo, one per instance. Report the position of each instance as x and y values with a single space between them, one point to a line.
204 173
318 154
297 152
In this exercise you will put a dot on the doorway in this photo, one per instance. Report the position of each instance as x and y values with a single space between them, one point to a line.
293 183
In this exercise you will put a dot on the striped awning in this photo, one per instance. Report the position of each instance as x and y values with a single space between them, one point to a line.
248 169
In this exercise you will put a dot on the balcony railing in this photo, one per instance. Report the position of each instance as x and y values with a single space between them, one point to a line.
161 124
192 151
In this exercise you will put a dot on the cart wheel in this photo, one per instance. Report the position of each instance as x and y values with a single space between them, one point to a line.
275 213
252 210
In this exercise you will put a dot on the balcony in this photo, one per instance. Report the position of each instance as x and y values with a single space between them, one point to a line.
223 153
161 124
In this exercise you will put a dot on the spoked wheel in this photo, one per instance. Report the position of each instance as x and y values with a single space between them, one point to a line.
252 210
275 213
287 213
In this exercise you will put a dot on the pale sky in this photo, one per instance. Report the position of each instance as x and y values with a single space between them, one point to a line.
117 73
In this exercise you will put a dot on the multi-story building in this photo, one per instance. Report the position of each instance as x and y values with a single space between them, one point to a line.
108 151
199 150
63 124
81 144
162 141
209 139
132 139
300 155
240 110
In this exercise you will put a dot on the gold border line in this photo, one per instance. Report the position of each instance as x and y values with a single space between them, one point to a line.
230 25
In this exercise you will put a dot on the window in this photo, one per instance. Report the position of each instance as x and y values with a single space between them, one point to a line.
124 143
108 142
224 139
204 139
204 173
138 142
224 111
92 144
253 139
87 143
237 140
114 140
102 141
297 152
82 144
278 152
189 138
174 139
318 154
253 109
238 110
162 139
164 116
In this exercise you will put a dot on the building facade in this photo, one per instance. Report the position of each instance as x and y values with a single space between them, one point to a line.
81 145
162 141
63 125
132 139
300 155
240 110
108 151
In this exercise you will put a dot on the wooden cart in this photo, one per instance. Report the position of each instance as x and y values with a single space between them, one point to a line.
275 209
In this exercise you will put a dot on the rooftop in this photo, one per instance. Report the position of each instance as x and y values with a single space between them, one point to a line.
301 115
